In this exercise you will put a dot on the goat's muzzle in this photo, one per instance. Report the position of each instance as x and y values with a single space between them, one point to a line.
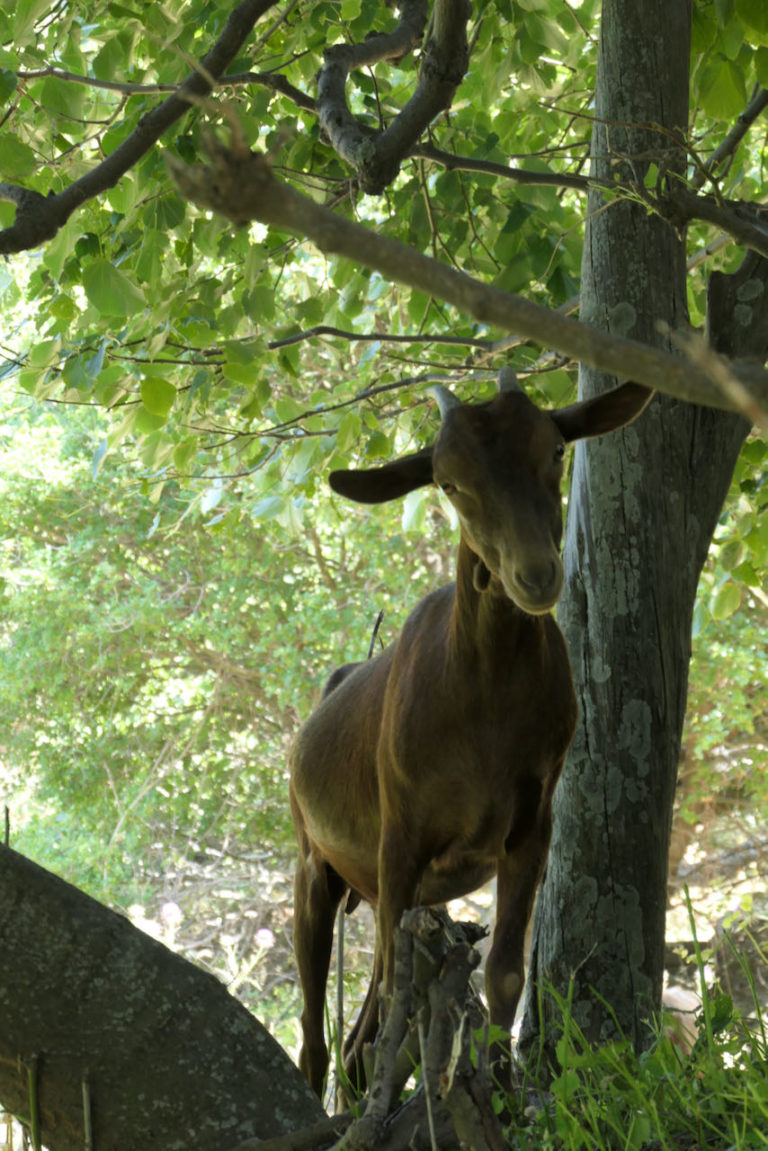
535 591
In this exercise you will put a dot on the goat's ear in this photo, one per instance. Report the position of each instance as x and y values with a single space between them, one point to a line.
377 485
606 413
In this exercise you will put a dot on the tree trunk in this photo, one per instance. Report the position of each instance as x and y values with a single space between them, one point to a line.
104 1028
643 506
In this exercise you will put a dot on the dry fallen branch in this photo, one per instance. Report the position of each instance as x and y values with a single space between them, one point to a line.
240 185
432 1019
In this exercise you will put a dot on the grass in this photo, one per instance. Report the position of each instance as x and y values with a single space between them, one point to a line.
714 1098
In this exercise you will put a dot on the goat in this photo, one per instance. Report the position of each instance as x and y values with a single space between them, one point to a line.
430 768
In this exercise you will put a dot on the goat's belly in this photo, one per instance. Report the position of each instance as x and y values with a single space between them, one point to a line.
358 871
453 875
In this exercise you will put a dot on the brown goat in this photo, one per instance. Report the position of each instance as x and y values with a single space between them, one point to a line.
429 769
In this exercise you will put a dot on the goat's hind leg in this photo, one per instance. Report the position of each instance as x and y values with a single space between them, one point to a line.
363 1030
318 890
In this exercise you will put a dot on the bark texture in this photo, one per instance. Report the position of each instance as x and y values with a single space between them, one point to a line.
643 506
109 1040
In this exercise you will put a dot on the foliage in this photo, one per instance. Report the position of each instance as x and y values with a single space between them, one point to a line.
193 337
153 677
611 1098
159 313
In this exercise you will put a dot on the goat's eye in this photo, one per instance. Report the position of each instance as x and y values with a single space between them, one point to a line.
559 451
448 488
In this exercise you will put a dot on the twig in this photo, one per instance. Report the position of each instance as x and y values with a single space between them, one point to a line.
87 1124
454 163
34 1103
425 1080
375 632
374 337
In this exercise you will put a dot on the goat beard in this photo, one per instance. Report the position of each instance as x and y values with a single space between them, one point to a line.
481 577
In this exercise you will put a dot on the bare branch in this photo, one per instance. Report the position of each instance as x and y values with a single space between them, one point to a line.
455 163
93 82
373 337
679 205
38 217
698 352
240 185
276 83
376 156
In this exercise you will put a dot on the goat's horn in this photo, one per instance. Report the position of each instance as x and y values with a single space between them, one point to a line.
445 399
508 381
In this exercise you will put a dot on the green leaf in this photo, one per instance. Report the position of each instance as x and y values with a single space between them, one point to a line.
348 431
8 84
268 508
721 88
165 213
754 13
43 353
61 97
157 395
17 159
184 453
24 17
725 601
732 554
761 66
703 30
110 290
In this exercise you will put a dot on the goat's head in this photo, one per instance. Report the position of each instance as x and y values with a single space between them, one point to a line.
500 463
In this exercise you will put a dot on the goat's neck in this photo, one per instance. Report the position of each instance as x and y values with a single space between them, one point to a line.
484 621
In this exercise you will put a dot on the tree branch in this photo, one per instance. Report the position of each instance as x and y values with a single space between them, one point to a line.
382 337
453 163
93 82
38 217
680 205
728 146
376 156
240 186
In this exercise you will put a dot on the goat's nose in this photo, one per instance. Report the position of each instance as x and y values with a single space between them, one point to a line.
542 581
537 589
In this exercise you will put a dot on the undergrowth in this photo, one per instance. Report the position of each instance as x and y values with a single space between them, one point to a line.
711 1098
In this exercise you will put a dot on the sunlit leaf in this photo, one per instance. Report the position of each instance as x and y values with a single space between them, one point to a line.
721 88
17 159
110 290
725 601
157 395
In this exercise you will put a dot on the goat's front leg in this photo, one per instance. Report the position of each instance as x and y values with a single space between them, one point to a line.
399 873
317 893
518 877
